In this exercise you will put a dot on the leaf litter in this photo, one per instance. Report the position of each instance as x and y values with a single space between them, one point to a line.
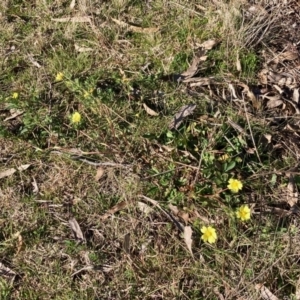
76 19
76 230
265 293
179 117
150 111
198 58
99 173
187 235
135 28
11 171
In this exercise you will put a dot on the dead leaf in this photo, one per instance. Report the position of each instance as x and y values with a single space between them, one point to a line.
199 57
201 217
11 171
82 49
220 296
174 209
7 173
33 61
288 55
23 167
188 154
18 236
256 104
199 81
84 19
294 105
281 79
184 216
274 103
236 127
250 150
149 111
99 174
76 229
7 272
232 91
183 112
115 209
238 63
268 138
144 208
291 192
187 235
14 114
265 292
263 76
296 96
201 7
279 89
35 186
136 28
271 96
180 213
86 268
193 68
126 244
208 45
168 148
72 4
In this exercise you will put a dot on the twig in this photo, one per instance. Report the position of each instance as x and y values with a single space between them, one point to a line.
161 173
103 164
169 216
199 166
251 134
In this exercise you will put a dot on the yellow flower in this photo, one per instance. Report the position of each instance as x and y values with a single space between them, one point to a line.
76 117
86 94
59 76
15 95
243 213
224 157
209 234
235 185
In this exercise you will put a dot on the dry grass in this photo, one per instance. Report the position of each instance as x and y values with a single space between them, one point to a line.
110 71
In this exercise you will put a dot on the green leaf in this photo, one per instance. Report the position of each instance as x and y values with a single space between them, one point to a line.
230 166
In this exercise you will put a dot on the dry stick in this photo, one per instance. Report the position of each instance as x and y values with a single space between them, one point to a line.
199 166
162 173
103 164
252 138
93 163
169 216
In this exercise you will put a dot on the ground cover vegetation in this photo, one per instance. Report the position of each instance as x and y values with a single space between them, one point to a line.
149 149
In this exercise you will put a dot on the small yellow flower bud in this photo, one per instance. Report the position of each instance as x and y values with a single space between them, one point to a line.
59 76
76 118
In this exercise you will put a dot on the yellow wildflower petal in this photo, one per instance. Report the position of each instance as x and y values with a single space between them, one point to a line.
76 117
86 94
209 234
224 157
59 76
15 95
203 229
243 213
234 185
